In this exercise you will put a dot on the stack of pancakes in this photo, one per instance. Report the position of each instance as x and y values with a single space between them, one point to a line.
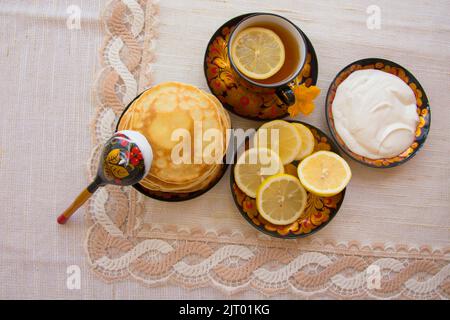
157 114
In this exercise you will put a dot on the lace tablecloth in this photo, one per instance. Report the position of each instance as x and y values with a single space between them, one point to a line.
394 223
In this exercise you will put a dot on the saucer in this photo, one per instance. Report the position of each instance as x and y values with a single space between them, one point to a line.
318 213
423 110
172 196
239 96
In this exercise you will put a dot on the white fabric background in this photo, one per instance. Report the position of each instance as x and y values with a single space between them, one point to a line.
47 72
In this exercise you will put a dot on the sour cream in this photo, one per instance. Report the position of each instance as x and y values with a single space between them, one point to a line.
375 114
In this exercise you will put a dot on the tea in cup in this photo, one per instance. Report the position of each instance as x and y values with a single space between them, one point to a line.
268 51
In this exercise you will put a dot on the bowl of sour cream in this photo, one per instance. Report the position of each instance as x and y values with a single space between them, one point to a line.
378 113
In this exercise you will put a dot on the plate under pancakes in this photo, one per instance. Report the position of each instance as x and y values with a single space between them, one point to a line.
161 110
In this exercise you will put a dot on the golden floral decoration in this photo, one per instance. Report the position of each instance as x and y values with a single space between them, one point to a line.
304 100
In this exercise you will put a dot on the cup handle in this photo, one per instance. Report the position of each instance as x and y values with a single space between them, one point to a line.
286 94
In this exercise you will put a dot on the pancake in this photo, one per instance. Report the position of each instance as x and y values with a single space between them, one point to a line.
156 185
225 118
158 113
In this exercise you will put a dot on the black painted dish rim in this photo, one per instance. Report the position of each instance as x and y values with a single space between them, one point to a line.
289 235
235 20
302 34
334 134
192 195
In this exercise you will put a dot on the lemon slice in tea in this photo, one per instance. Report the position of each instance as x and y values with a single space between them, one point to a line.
258 52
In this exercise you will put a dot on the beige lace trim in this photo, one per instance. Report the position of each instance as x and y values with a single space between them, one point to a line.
194 259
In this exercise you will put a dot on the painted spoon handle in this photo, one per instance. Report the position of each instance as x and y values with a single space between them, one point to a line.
78 202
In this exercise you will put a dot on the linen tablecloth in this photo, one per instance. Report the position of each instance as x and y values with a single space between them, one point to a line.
49 64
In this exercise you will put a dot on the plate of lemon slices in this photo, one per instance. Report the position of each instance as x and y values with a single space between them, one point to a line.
289 180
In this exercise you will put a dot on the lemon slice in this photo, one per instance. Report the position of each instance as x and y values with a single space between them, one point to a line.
253 166
307 141
281 199
287 144
258 52
324 173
